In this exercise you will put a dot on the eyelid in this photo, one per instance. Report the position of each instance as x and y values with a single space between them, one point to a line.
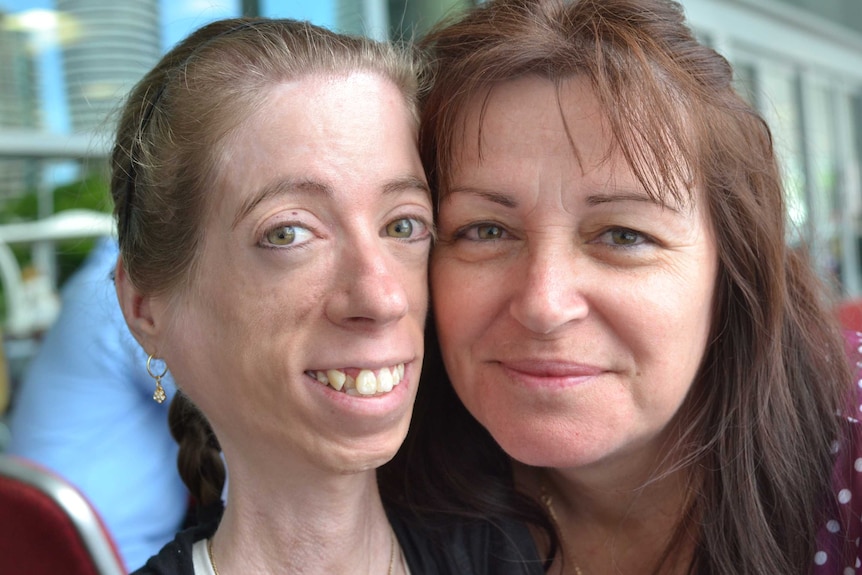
425 221
644 238
265 243
461 232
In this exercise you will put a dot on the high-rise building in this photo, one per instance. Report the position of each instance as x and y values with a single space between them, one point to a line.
19 105
111 45
393 19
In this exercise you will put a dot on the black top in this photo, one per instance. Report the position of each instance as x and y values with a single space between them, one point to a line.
448 546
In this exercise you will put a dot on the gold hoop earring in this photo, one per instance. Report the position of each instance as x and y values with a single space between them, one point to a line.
159 395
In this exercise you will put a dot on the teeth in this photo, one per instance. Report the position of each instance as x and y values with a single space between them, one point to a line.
384 380
366 381
336 378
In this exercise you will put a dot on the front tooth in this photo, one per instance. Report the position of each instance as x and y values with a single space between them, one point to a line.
384 380
321 377
336 378
366 382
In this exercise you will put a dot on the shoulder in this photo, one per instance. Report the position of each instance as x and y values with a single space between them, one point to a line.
175 558
853 341
444 544
837 546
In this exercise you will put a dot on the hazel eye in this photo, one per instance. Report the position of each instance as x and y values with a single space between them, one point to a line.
282 236
482 232
489 232
287 235
402 228
412 229
625 237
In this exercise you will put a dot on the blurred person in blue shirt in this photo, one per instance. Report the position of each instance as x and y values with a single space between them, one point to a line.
85 410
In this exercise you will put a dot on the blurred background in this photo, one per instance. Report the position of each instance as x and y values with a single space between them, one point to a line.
65 65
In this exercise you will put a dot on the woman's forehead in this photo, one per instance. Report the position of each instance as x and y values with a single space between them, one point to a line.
570 105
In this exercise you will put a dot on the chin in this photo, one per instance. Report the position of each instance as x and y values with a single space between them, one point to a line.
366 458
538 451
363 464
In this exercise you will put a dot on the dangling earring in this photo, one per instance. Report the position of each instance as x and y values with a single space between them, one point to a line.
159 394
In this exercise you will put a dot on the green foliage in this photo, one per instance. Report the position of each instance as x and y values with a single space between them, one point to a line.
90 192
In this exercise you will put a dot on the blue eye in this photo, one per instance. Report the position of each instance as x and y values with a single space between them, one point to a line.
287 235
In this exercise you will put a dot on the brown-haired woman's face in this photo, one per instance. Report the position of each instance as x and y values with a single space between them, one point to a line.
572 309
303 331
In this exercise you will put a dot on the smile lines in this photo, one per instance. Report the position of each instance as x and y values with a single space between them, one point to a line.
365 382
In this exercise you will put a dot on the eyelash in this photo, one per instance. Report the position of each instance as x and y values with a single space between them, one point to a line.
265 243
642 238
462 232
429 229
429 232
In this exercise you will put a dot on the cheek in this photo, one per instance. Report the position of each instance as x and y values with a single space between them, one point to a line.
238 316
417 288
451 292
191 340
672 336
461 316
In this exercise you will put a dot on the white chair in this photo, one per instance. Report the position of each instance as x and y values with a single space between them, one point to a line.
21 317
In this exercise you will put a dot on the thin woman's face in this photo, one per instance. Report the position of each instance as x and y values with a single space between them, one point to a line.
302 332
572 309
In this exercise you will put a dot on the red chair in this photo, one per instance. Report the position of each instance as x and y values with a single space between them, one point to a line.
850 314
47 527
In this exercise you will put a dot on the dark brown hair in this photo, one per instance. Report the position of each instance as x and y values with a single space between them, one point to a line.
175 127
758 425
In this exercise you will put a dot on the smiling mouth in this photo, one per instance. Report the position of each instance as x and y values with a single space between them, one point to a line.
361 381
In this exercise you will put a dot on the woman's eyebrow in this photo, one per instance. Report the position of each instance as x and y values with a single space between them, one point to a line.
406 184
279 187
495 197
594 199
308 187
632 195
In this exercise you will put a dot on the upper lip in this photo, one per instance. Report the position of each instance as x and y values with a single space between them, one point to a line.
372 365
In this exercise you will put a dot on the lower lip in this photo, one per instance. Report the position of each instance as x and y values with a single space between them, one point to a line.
547 381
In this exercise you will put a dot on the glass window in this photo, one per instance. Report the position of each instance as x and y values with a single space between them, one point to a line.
776 94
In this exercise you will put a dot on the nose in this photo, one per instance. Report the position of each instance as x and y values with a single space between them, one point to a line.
372 290
549 293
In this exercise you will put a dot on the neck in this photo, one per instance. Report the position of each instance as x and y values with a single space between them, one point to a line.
306 521
607 526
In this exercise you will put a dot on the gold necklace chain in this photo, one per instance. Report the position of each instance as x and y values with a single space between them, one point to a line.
210 553
393 543
548 502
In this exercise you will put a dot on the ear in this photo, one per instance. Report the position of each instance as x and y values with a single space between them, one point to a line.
139 310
